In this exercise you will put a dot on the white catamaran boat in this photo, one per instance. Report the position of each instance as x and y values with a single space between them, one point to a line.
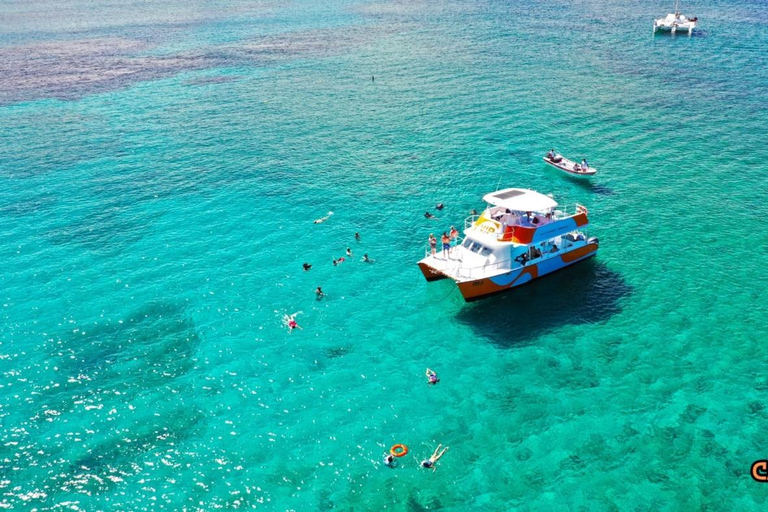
522 235
675 22
558 161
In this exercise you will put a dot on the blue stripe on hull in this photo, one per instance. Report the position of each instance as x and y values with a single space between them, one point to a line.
549 266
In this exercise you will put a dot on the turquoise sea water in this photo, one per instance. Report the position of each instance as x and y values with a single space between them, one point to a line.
160 168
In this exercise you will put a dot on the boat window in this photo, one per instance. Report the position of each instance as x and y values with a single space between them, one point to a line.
486 251
475 247
467 242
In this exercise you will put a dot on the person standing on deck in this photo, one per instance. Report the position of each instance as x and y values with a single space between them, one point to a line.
446 241
432 243
454 234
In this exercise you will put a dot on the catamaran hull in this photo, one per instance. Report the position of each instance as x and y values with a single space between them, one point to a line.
485 287
430 274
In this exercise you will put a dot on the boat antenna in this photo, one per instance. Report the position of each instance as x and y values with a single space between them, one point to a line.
677 5
498 184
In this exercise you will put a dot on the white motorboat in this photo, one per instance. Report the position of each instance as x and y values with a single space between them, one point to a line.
675 22
558 161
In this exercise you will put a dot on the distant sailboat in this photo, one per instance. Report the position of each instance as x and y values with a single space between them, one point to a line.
675 22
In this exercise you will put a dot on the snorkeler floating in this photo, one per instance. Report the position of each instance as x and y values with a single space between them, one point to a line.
290 322
349 252
430 463
428 215
320 293
432 377
306 266
366 259
440 206
323 219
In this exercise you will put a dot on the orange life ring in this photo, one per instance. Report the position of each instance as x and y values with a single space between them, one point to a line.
398 450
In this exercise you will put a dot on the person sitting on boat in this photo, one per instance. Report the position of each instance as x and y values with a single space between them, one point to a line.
551 154
508 219
576 168
522 259
554 248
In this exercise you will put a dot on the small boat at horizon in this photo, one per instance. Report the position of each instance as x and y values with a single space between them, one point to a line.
558 161
520 236
675 21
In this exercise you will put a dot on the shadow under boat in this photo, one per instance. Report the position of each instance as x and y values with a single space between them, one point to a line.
586 293
590 186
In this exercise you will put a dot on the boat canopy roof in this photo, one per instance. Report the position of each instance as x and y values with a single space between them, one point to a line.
520 200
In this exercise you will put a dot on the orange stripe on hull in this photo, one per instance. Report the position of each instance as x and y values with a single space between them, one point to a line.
571 256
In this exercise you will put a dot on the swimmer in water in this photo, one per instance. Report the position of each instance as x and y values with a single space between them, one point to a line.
323 219
432 377
428 215
290 322
473 212
357 236
306 266
430 463
389 460
349 252
440 206
320 293
366 259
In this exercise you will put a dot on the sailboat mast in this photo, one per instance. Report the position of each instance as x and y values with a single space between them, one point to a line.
677 5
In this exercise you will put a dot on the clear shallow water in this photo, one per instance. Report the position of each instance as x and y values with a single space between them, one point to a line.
161 169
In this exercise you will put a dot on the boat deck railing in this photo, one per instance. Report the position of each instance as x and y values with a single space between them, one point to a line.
560 212
457 271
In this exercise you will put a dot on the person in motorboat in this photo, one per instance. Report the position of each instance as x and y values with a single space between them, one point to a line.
522 259
584 164
551 154
576 168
